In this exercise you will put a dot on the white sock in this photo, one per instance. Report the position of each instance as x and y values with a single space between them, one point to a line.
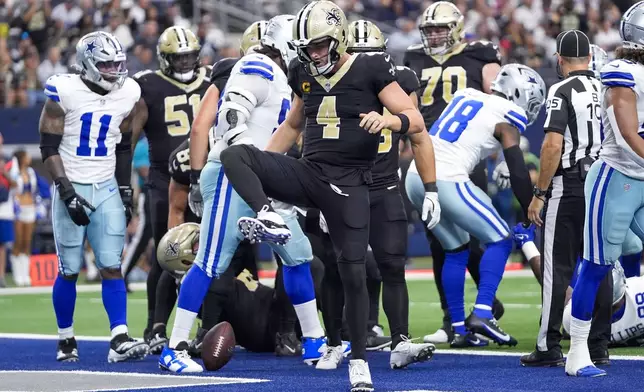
26 264
66 333
482 307
183 321
118 330
307 313
579 331
16 268
92 271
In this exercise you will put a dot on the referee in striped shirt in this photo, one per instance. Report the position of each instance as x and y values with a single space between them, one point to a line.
570 146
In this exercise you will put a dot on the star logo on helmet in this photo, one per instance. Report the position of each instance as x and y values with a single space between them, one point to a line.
532 79
91 46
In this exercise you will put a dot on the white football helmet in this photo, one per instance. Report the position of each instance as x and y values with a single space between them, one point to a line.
631 27
619 282
278 35
178 248
523 86
101 60
598 58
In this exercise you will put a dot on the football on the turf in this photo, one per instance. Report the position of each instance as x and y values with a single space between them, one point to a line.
218 346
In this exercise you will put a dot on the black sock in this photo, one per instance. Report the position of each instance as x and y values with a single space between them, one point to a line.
438 257
395 299
237 164
166 297
374 283
474 261
354 281
151 287
333 304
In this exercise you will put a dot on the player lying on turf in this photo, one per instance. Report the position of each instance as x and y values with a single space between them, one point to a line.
85 144
472 126
614 187
256 101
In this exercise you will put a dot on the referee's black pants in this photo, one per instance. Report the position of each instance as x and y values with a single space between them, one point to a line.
142 236
561 245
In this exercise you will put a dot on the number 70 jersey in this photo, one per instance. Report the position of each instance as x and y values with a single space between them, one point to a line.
464 133
92 124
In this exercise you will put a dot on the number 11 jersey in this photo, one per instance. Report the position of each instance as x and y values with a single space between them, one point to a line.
442 76
92 124
464 133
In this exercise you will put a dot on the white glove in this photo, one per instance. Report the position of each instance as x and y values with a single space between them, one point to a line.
501 175
431 210
323 225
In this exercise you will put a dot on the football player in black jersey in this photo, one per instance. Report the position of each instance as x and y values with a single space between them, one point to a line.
388 221
339 100
446 64
170 99
251 40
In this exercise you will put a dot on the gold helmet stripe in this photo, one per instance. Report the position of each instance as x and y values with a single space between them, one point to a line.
302 20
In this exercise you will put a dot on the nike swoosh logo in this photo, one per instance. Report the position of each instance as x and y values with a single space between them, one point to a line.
616 65
391 187
477 341
292 350
112 189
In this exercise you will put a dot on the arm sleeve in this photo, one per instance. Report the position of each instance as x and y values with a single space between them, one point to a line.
123 170
556 110
383 71
617 73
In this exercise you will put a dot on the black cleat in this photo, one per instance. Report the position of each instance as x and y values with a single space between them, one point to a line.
194 348
287 345
600 356
157 339
489 328
552 358
376 342
468 340
67 350
125 348
498 310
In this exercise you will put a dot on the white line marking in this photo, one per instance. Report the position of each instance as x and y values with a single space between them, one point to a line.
91 288
29 336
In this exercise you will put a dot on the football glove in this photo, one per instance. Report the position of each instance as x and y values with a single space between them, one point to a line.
523 234
74 202
195 200
431 210
501 175
323 226
126 196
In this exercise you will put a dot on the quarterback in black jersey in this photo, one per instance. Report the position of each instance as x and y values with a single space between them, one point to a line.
339 100
446 64
170 98
251 40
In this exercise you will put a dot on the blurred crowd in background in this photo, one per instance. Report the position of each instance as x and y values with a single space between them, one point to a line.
37 37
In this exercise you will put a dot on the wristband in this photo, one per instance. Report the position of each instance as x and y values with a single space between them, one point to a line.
530 250
194 176
404 123
430 187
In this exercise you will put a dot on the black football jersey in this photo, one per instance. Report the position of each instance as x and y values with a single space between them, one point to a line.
179 166
334 143
385 171
442 76
172 107
221 72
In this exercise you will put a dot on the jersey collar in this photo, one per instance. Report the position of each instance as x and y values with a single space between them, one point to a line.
583 72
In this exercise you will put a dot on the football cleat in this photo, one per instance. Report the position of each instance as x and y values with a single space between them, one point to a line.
267 227
178 360
440 336
467 340
360 376
157 341
406 353
377 342
312 349
552 358
331 359
67 350
498 310
287 345
123 348
489 328
194 348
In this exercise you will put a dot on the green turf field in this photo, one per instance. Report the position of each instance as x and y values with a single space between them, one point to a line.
33 313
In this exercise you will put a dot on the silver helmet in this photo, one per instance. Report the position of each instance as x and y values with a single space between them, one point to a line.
631 27
278 35
101 60
523 86
619 282
598 58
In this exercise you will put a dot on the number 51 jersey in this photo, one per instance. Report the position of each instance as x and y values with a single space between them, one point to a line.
92 124
464 133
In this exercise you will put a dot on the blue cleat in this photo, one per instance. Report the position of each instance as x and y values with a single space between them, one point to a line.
590 371
312 349
178 360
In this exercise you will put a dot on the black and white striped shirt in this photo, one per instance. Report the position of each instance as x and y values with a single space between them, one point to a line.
573 110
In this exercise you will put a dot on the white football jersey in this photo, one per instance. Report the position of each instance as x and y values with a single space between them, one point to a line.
622 73
464 133
92 124
631 324
260 76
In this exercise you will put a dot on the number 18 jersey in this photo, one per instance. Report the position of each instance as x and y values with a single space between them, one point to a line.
92 124
464 133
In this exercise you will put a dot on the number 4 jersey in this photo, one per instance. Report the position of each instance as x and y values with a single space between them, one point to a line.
92 124
464 133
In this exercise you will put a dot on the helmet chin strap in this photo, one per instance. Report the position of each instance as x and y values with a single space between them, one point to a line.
184 77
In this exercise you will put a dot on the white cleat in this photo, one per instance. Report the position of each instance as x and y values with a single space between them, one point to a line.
407 353
178 360
331 359
267 227
438 337
124 348
360 376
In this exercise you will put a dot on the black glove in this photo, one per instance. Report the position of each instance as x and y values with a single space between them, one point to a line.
195 199
74 202
126 197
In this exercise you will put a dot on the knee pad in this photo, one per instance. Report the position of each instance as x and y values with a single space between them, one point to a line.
353 276
393 270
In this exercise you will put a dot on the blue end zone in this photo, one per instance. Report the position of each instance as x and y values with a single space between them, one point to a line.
445 372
